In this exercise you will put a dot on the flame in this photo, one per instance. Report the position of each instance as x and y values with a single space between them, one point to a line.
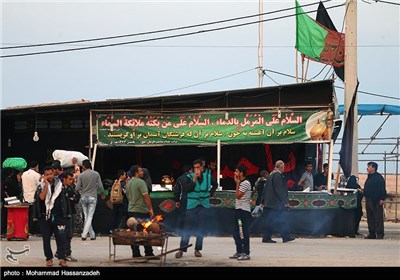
147 224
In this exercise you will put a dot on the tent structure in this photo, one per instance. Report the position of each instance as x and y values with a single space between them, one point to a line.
374 109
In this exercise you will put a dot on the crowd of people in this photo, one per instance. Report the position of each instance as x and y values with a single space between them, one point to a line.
53 195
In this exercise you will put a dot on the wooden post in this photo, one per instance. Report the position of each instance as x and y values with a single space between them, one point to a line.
350 75
337 179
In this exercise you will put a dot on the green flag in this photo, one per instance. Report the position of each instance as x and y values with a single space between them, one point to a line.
318 42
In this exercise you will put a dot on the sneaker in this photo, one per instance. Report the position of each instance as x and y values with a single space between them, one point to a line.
268 241
71 259
63 263
370 236
197 254
291 238
83 238
235 256
243 257
179 254
49 263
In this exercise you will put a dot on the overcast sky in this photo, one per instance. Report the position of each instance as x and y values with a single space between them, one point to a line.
148 69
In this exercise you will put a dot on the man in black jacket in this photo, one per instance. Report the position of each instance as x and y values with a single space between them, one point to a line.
53 211
375 195
182 184
275 202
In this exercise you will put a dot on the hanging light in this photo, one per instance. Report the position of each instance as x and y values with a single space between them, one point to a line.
35 134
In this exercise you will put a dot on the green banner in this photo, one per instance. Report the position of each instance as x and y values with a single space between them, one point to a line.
122 128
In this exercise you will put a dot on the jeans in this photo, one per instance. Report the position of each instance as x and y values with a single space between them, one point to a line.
242 244
47 227
88 208
194 225
118 212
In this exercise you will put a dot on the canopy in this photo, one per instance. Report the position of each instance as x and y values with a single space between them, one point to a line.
373 109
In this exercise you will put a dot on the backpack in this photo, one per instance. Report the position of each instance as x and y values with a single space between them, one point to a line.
116 192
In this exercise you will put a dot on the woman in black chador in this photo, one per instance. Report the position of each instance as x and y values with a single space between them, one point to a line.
352 184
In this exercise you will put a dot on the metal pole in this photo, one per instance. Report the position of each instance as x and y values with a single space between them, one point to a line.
94 155
260 43
219 163
384 165
397 178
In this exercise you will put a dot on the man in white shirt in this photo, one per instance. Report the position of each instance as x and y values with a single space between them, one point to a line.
30 182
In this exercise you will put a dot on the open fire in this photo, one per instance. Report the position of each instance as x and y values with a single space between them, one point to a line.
152 225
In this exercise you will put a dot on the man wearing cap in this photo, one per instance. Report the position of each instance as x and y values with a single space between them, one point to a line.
375 195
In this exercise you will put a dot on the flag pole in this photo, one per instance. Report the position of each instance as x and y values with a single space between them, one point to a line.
350 78
297 66
305 74
302 68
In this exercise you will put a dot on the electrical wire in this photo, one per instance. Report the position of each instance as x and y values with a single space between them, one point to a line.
155 31
158 38
360 91
213 80
387 2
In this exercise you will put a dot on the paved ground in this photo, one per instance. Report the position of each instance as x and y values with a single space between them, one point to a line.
329 251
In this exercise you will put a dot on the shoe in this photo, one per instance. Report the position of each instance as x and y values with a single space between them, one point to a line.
93 238
235 256
136 256
83 238
379 236
49 263
291 238
71 259
243 257
268 241
179 254
197 254
370 236
63 263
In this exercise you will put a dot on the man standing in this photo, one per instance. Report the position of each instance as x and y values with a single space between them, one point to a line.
119 210
375 195
307 180
321 179
241 222
30 182
139 206
180 195
53 210
89 182
275 202
198 201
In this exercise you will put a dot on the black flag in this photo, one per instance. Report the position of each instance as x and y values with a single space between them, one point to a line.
346 151
324 19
